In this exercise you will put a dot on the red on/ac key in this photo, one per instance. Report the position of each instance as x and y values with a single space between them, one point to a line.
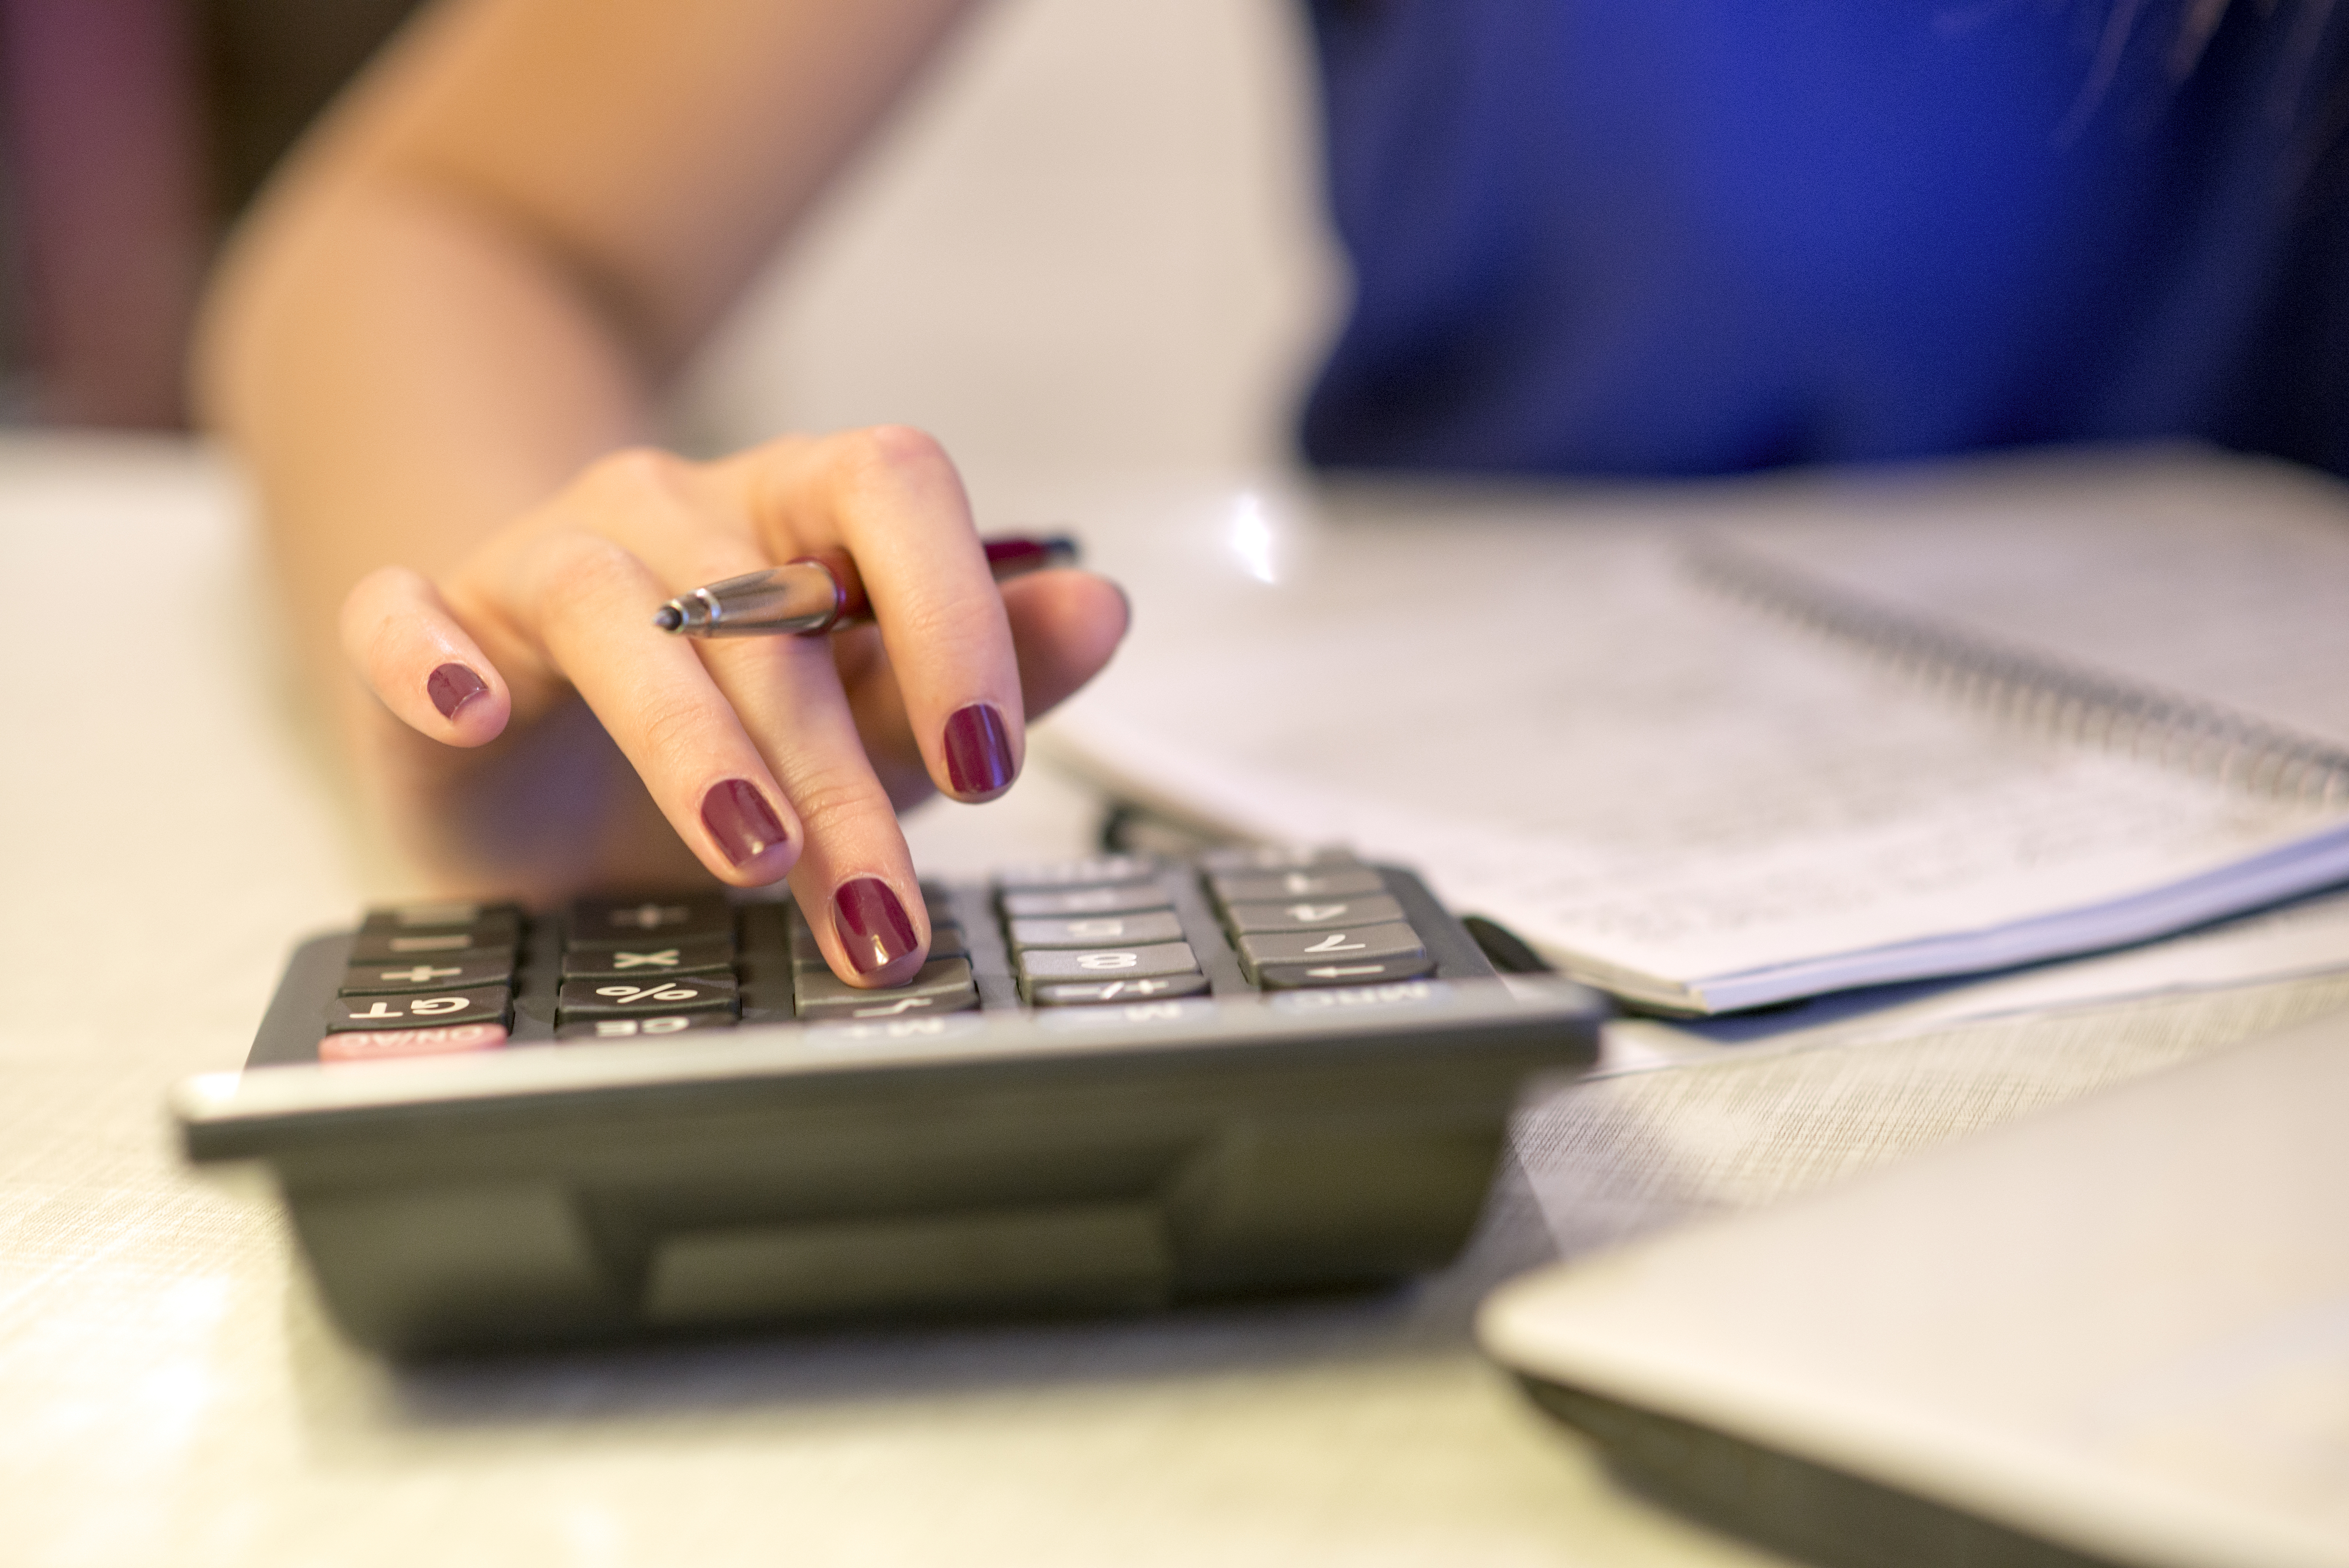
374 1044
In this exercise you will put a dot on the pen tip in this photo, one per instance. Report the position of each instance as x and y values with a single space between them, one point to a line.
669 617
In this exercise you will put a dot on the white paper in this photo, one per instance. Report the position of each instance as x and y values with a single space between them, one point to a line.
1544 710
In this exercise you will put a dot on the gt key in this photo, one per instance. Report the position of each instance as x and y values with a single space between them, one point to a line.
486 1005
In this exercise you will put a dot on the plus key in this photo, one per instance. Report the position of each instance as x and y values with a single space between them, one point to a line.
387 978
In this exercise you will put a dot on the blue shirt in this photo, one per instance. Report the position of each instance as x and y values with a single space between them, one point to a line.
1699 236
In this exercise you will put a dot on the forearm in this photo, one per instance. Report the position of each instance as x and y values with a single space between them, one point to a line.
459 293
400 376
455 300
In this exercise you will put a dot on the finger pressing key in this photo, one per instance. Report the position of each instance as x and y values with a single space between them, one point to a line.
855 881
781 695
592 603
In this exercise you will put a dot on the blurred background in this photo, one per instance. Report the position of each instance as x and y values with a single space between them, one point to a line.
1095 242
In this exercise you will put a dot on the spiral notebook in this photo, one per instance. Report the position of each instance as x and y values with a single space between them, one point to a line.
1716 747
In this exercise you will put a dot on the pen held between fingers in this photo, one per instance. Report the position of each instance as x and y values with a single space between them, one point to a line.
819 593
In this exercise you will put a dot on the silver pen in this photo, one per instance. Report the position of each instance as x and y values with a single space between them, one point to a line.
817 593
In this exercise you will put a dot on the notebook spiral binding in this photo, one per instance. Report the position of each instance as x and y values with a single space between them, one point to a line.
2049 695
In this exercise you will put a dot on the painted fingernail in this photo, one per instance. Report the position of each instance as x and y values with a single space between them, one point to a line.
741 820
451 686
872 924
979 750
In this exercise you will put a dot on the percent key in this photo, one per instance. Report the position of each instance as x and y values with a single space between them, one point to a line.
616 999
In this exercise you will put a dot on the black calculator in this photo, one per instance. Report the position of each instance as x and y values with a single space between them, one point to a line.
1118 1083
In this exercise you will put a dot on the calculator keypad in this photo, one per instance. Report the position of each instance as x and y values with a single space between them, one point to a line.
1081 993
655 1027
1107 963
1320 881
627 922
1096 871
1344 972
1097 930
942 986
1311 913
440 1039
486 1005
1069 903
426 974
595 998
482 944
1109 934
692 955
1296 958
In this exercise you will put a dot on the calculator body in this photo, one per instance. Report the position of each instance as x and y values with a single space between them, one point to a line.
608 1174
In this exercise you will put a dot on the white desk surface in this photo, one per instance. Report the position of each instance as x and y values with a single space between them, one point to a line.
170 1393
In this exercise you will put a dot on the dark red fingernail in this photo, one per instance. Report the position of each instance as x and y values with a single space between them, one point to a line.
451 686
872 924
979 750
740 819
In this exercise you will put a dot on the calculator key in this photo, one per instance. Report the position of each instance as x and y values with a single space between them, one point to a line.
425 975
414 917
1343 882
1354 944
482 1004
1062 903
946 941
1343 972
761 927
1094 870
653 1028
647 997
1099 930
490 942
764 969
1312 913
1039 963
440 1039
627 922
697 955
942 986
766 999
1083 993
1275 857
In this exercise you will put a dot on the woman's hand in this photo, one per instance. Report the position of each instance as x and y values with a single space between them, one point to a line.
537 734
476 276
